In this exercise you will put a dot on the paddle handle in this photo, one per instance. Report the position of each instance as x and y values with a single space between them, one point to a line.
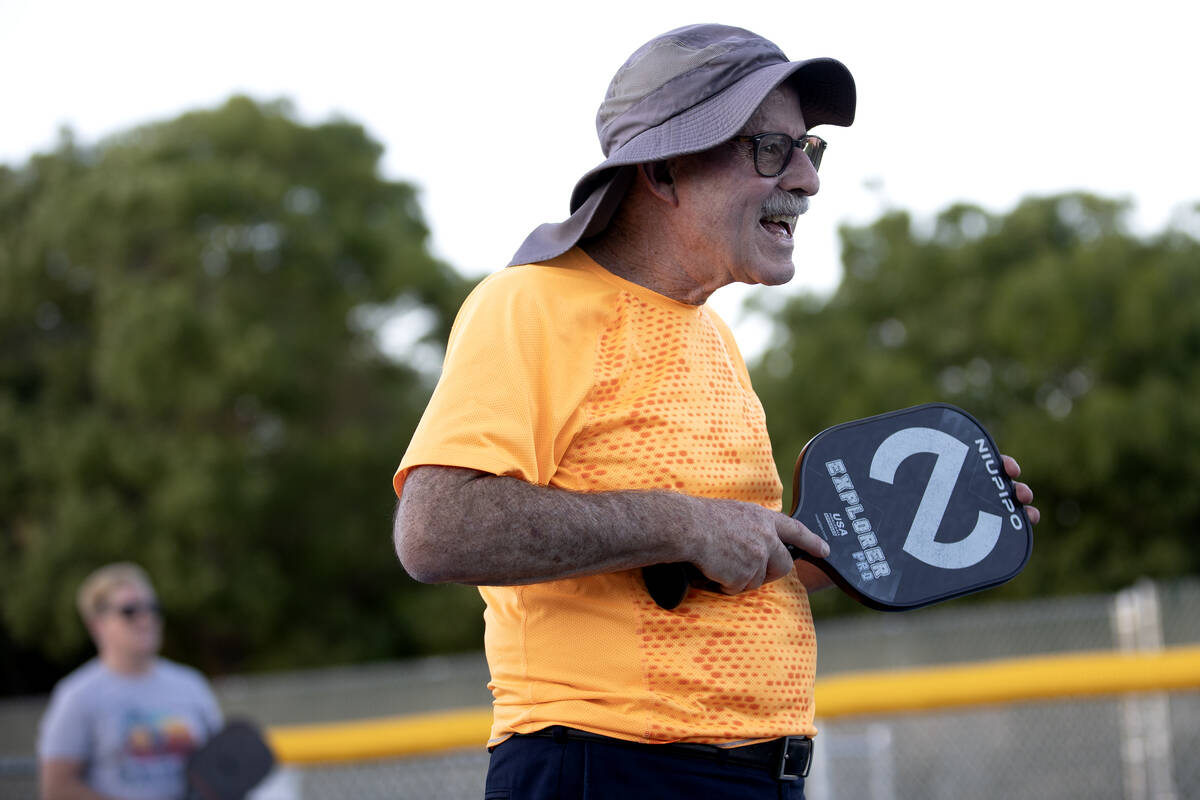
668 584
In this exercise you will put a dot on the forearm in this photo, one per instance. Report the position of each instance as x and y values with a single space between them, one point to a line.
74 790
470 527
503 531
60 781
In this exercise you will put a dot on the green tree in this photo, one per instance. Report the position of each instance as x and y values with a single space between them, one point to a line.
191 378
1076 343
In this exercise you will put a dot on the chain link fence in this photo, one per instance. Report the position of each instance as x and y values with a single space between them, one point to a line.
1136 747
1070 749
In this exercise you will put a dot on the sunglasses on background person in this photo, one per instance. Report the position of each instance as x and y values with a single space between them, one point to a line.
773 151
131 611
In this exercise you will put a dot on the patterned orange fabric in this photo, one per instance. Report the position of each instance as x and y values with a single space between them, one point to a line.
565 375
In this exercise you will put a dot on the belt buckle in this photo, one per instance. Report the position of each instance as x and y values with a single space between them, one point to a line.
803 758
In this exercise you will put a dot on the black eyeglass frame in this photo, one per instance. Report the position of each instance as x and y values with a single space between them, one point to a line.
130 611
810 139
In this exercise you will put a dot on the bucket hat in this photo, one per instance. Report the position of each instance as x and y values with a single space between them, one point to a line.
683 92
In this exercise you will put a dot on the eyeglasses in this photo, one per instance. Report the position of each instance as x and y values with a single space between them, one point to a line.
773 151
131 611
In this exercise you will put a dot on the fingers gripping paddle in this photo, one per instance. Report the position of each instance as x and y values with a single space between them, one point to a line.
914 504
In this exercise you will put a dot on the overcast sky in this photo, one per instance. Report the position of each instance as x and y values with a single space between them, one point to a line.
958 101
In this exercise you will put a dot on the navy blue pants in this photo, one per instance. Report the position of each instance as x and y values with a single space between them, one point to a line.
536 768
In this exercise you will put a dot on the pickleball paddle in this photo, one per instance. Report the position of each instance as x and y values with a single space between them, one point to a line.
230 764
914 504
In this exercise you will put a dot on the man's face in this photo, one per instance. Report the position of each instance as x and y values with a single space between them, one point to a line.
129 622
733 234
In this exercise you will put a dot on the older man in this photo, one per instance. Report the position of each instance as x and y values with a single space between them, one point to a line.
594 416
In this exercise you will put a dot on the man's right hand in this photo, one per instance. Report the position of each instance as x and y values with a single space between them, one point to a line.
744 544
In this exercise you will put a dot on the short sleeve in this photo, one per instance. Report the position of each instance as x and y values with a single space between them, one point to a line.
65 727
210 709
519 363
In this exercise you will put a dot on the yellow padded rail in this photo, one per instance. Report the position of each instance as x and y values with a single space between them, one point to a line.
883 692
381 738
1008 681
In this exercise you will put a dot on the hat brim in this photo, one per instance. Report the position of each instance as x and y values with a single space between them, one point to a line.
827 95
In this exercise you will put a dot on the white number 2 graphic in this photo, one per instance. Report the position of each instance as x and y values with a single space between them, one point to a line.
951 453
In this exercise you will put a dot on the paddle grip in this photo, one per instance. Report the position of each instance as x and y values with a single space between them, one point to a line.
668 584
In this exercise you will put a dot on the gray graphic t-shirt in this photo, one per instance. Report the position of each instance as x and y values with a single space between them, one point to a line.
133 733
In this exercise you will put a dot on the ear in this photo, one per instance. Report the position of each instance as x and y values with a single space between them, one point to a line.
659 179
93 630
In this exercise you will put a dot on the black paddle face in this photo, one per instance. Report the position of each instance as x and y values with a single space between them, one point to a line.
229 764
915 505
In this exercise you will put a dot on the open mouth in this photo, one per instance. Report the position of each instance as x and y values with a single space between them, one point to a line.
779 224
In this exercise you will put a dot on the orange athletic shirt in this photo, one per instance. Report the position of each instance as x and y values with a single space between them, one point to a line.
565 375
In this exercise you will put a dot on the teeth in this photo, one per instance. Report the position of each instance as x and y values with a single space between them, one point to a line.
786 220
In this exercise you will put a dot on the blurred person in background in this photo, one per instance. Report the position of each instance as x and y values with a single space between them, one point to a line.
122 726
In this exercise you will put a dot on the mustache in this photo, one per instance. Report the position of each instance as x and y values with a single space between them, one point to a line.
785 204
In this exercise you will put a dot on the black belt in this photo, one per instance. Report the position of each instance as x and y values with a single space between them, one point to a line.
787 759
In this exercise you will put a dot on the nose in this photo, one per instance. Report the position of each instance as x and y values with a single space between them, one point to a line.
800 175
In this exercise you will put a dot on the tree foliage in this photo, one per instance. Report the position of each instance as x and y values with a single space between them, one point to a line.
1076 343
190 379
